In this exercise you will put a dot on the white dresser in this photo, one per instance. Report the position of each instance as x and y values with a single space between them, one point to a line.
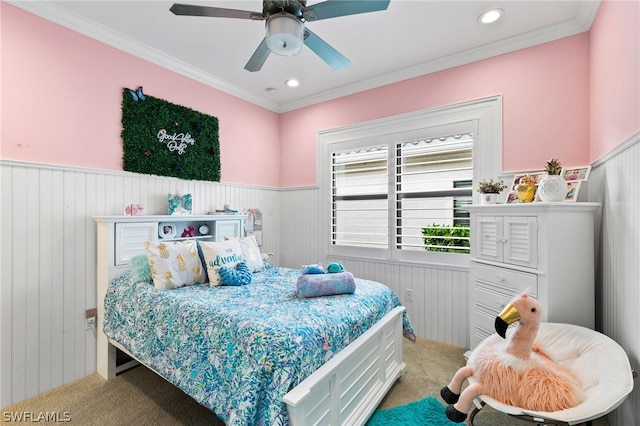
545 249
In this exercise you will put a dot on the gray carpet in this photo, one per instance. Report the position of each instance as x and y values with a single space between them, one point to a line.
139 397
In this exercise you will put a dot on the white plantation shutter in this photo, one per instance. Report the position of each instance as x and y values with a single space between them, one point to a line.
359 197
429 184
396 188
433 184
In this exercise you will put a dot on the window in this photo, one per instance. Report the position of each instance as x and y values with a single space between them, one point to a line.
432 185
396 188
359 188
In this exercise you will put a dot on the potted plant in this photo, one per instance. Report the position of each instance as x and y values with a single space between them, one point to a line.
490 190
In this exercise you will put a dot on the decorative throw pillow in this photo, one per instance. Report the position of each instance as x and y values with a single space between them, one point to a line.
251 253
316 285
140 269
218 254
174 264
241 275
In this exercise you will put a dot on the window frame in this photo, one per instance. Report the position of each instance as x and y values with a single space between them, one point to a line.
483 115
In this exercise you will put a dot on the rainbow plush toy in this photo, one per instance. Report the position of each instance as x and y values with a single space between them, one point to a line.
519 373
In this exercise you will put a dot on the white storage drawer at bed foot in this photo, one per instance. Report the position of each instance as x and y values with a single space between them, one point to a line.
509 281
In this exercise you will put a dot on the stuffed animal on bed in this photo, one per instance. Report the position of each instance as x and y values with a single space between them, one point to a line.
334 268
520 373
312 269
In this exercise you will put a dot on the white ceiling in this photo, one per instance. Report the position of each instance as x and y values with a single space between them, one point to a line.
410 38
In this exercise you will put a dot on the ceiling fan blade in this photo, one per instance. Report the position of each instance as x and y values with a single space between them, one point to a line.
335 8
259 57
214 12
327 53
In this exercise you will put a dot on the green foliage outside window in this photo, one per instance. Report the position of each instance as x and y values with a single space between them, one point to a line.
450 239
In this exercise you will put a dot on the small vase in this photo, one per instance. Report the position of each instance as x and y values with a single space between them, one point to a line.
486 198
552 188
525 190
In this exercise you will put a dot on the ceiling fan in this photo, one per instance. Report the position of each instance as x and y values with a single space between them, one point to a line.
285 29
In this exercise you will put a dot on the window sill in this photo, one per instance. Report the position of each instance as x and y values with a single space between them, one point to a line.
461 265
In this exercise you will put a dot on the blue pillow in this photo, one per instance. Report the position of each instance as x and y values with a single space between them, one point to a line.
140 269
241 275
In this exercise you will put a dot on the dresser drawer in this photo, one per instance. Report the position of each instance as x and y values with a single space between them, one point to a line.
505 280
483 326
491 302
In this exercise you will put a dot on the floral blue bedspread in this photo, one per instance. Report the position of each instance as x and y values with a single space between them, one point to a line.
239 350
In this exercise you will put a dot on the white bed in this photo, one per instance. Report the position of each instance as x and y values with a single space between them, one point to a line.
344 391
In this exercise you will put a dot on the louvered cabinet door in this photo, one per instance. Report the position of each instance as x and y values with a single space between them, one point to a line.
520 240
486 238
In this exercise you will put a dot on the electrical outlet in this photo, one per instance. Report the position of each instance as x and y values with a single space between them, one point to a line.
408 295
90 315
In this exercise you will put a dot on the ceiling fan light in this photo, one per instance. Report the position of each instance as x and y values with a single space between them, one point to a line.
284 35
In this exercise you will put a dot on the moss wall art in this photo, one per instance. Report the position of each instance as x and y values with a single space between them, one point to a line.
161 138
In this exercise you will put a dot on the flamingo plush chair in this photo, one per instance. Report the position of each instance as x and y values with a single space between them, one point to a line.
520 373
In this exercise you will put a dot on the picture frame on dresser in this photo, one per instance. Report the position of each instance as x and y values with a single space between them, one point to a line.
573 188
576 173
536 176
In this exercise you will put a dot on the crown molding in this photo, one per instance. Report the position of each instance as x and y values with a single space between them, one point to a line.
75 22
62 16
579 25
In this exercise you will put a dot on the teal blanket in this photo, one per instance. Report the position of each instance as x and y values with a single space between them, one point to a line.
239 349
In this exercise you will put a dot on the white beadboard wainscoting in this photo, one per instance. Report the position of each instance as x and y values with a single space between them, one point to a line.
615 182
47 276
440 297
48 260
439 307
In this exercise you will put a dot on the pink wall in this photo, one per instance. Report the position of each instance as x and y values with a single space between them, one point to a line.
615 76
545 93
61 100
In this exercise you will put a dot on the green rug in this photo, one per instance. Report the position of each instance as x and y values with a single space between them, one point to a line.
426 412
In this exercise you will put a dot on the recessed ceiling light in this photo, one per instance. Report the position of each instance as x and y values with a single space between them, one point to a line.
271 90
292 82
491 16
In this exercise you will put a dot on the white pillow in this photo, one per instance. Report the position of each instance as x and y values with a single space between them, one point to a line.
174 264
219 254
251 253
